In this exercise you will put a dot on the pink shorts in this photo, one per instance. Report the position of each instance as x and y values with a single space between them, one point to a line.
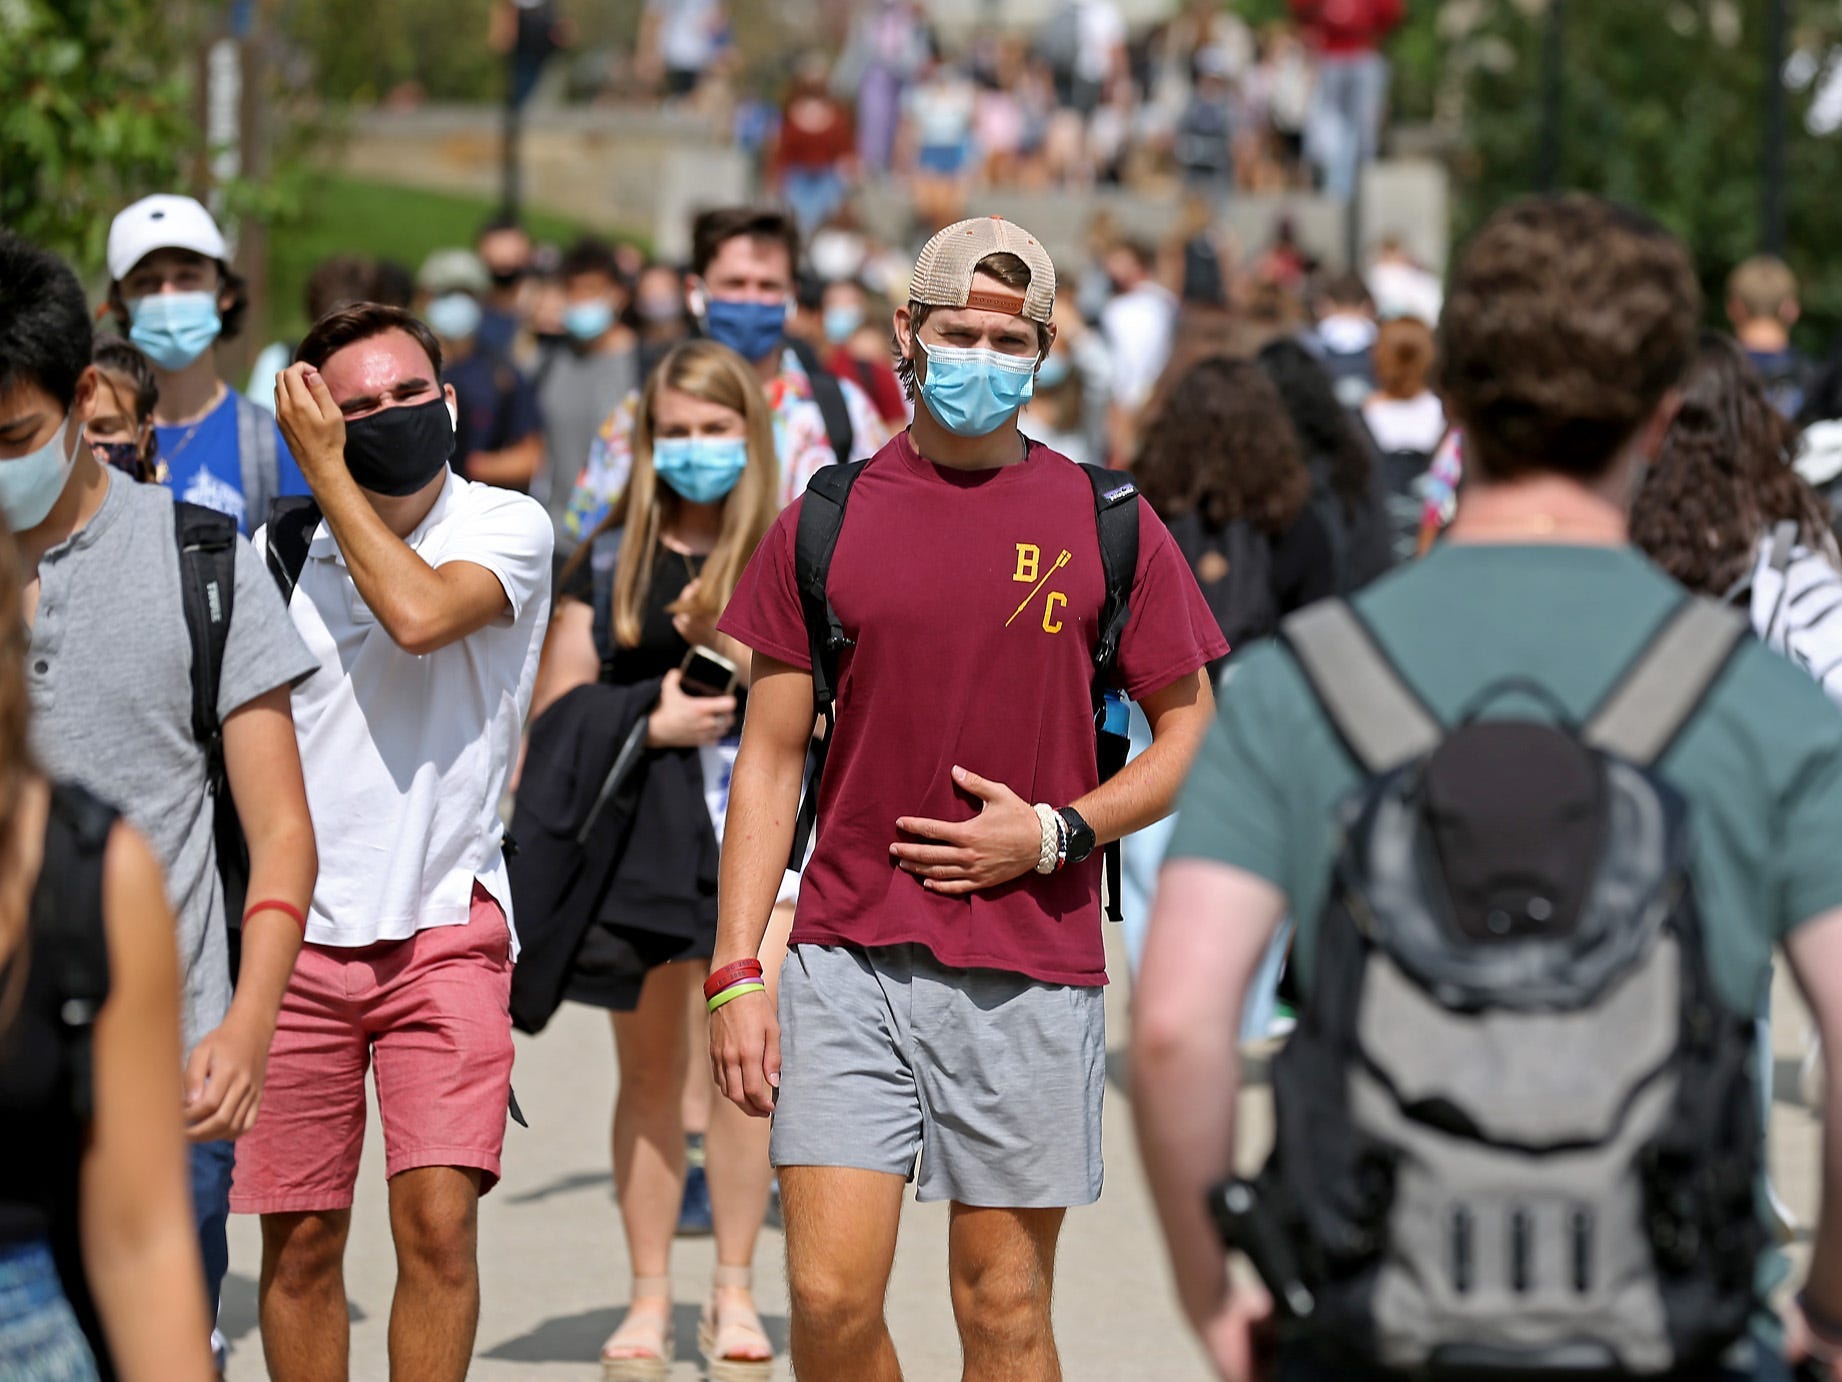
432 1013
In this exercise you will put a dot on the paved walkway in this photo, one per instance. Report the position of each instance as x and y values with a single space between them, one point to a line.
554 1269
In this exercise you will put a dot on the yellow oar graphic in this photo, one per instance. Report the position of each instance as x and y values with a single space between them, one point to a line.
1060 562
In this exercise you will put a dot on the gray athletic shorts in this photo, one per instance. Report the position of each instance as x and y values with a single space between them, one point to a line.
994 1079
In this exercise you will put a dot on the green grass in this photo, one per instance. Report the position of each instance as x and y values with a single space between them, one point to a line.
352 216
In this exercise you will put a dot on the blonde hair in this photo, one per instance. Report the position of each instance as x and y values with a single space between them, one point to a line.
716 374
1762 287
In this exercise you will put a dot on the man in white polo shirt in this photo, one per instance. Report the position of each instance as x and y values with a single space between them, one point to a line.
425 597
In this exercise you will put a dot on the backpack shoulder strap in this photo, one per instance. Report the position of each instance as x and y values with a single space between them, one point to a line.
68 928
258 462
828 393
1661 691
207 587
821 519
603 566
293 519
1116 522
1380 718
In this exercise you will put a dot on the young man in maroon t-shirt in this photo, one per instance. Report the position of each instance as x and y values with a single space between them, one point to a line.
943 993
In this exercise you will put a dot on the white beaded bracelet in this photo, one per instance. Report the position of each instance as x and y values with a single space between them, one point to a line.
1051 841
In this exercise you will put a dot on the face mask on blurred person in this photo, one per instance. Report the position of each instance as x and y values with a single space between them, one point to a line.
505 278
1054 372
455 316
30 485
660 308
588 321
752 330
701 469
971 390
841 323
399 450
174 329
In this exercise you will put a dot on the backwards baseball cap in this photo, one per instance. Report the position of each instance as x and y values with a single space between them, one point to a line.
944 269
163 221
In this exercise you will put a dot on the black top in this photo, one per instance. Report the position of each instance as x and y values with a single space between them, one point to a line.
1304 563
35 1101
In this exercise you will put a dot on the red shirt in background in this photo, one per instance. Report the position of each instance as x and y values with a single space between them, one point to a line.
878 380
1343 27
973 599
815 133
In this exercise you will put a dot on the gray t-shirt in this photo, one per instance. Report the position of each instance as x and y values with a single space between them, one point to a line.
110 676
575 394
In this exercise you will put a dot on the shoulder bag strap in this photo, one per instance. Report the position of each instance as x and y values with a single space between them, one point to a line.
293 520
1661 691
1381 720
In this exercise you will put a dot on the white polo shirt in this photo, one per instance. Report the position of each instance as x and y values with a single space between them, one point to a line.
407 758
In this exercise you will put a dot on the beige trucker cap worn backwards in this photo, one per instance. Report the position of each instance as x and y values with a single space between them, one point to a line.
944 269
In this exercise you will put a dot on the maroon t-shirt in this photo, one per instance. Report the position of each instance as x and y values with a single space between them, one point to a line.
973 599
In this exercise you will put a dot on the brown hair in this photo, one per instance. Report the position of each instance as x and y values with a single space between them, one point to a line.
1403 355
714 229
1004 266
716 374
338 281
1220 444
1568 320
360 322
1762 286
1723 478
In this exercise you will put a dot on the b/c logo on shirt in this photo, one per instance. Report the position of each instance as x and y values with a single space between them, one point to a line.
1029 572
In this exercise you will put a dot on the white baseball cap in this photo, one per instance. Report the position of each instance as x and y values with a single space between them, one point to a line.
163 221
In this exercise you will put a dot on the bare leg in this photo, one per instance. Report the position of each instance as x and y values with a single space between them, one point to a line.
1002 1265
306 1333
648 1143
435 1222
736 1160
841 1227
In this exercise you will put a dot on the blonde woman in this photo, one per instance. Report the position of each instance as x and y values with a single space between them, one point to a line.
640 595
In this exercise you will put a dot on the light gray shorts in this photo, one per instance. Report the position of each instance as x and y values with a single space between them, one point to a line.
994 1079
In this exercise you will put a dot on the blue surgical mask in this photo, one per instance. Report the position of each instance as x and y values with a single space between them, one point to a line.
700 469
588 321
174 329
455 316
30 485
1054 371
753 330
971 391
841 323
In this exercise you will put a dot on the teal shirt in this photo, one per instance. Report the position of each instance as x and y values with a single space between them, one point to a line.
1761 763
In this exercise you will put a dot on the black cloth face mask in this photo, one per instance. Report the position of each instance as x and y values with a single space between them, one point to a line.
399 450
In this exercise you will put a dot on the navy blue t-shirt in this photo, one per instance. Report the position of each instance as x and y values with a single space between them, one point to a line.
204 466
495 406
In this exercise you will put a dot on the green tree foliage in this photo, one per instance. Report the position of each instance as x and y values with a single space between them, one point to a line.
362 50
91 115
1663 108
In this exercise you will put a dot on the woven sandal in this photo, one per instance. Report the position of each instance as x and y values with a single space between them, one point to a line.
728 1335
631 1353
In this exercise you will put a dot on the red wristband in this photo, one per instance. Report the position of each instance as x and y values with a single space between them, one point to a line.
273 904
731 974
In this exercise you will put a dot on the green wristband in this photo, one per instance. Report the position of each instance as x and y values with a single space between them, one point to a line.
729 995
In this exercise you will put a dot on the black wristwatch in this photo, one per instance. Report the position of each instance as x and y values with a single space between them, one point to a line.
1080 834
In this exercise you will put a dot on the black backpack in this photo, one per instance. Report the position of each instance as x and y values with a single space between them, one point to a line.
208 586
1517 1134
821 519
1234 570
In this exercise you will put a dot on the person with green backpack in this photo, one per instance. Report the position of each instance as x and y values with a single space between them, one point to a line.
1541 816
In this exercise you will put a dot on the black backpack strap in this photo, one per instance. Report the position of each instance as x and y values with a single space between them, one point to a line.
1380 718
603 568
828 393
293 520
68 928
208 586
821 519
1661 691
1116 521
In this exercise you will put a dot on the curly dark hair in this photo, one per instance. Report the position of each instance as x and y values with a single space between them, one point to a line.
1332 442
1723 478
1220 444
1567 321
